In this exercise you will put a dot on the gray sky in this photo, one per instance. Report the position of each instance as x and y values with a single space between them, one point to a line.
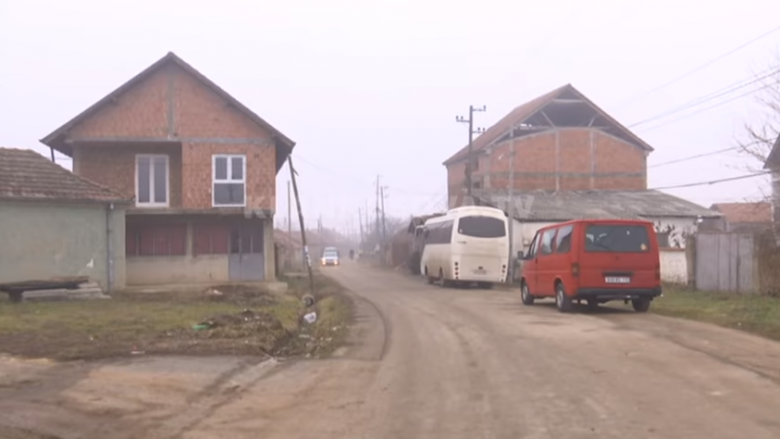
373 87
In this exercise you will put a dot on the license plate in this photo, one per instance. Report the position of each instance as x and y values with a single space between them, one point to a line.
480 271
617 280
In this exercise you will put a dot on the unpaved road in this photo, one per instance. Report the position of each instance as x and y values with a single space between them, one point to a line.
426 362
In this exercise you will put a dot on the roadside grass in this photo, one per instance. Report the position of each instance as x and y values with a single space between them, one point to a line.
749 312
243 321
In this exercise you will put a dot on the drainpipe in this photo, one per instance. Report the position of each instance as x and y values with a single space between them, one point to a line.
109 248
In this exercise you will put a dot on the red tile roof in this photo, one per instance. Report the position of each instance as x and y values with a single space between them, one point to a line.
523 112
27 175
745 212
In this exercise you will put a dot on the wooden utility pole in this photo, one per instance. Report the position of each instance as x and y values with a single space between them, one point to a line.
470 156
303 229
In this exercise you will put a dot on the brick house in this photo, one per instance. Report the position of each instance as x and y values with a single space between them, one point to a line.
200 167
565 158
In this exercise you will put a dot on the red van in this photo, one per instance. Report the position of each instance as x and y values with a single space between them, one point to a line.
593 260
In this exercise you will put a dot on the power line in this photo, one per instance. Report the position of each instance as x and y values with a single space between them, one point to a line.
714 95
740 96
706 183
693 157
701 67
360 180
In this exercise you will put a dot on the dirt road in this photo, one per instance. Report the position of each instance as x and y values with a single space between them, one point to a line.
427 362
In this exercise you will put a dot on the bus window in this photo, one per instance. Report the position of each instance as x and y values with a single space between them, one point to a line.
482 227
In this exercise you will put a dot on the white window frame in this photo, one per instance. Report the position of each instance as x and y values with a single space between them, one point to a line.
214 181
152 203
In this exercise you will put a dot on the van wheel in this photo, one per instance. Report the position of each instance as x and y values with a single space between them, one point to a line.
562 301
525 294
641 305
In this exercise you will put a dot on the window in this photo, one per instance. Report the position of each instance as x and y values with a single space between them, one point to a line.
481 227
210 239
156 240
563 241
229 180
663 240
532 247
151 180
616 238
547 242
438 233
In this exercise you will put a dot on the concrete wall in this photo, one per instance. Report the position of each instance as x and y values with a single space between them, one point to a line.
674 266
162 270
41 240
189 269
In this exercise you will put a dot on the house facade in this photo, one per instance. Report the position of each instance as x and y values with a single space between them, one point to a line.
201 170
565 158
56 224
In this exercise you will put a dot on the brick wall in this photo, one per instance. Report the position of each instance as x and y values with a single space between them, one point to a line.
172 103
565 159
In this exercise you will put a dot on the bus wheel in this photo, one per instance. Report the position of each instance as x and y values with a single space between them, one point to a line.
429 278
442 281
561 299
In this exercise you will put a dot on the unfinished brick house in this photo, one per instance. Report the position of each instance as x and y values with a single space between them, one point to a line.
569 159
200 166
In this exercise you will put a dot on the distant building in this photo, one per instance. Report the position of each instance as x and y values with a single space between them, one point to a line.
740 217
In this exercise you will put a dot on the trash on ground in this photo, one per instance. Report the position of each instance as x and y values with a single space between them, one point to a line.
310 317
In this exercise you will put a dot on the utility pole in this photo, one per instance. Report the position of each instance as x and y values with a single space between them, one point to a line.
289 210
469 157
360 220
303 229
511 207
384 224
377 208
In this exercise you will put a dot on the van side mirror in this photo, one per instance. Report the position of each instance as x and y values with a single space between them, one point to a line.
520 255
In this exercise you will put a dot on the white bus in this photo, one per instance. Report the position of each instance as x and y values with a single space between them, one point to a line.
468 244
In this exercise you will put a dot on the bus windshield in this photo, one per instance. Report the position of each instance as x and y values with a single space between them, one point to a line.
481 227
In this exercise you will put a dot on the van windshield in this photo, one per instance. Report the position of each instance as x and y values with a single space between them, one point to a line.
481 227
616 238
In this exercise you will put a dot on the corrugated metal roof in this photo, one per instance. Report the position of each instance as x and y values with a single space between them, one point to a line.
568 205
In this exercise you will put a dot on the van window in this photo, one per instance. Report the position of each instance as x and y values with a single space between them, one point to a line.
563 241
547 242
534 244
616 238
482 227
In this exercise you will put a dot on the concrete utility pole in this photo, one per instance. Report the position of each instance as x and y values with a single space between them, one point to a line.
511 206
377 209
306 260
384 223
470 158
360 220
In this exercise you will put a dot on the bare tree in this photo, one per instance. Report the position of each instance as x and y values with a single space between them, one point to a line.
761 136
